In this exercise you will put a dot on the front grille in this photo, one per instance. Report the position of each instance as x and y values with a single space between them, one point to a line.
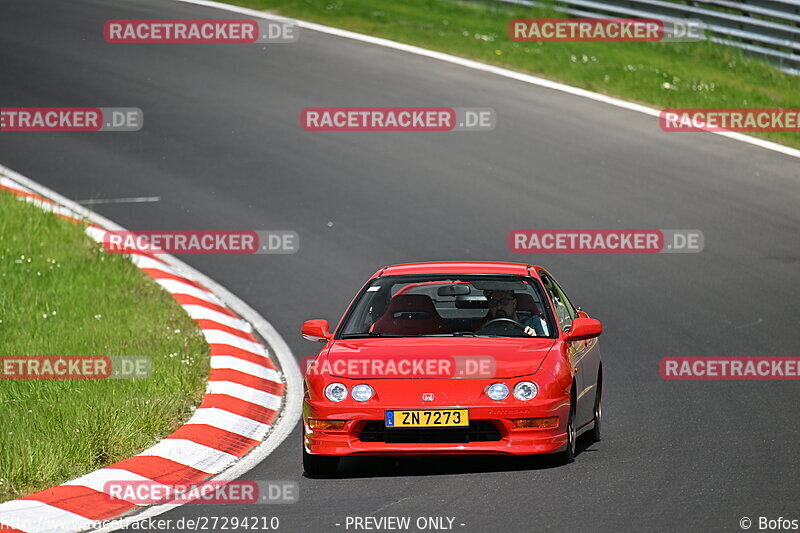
478 431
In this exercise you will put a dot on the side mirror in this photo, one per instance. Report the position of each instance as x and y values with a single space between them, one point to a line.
584 328
316 330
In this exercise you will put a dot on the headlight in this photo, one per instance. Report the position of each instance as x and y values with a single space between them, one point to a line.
362 392
336 392
497 391
525 390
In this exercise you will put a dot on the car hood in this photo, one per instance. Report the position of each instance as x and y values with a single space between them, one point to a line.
436 357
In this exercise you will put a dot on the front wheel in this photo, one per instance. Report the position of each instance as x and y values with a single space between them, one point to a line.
594 434
568 455
319 465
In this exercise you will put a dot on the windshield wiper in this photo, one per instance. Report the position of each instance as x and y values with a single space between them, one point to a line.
370 334
464 334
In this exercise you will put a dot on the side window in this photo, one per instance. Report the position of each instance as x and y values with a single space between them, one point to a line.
565 313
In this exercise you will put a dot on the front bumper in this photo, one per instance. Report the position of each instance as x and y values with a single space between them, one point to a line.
510 440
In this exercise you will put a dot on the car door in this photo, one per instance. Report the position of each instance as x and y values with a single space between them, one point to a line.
583 355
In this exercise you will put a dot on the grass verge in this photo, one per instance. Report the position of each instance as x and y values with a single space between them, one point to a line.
682 75
60 294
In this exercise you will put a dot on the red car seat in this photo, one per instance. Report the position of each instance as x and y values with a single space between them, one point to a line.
525 302
411 314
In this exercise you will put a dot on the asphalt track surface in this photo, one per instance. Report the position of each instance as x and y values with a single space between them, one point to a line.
223 147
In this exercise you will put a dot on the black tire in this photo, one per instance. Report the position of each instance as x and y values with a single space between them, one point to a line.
319 465
594 434
568 455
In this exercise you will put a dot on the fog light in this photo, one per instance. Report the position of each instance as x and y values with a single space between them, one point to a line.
536 423
315 423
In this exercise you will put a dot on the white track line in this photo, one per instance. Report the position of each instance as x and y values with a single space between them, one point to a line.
217 336
475 65
48 207
8 182
243 392
97 480
221 419
97 234
142 261
192 454
135 200
174 286
38 517
198 312
222 362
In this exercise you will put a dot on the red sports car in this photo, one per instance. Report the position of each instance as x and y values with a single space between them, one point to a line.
453 358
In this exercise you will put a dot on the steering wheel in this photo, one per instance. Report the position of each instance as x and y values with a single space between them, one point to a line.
498 320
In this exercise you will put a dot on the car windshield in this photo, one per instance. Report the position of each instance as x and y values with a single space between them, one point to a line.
450 305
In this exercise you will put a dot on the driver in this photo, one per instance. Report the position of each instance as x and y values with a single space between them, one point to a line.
503 304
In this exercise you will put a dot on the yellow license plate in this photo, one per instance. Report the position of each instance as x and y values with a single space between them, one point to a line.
421 418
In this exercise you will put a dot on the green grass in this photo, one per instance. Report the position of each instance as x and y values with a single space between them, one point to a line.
688 75
60 294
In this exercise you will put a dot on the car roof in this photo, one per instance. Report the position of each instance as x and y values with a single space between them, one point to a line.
458 267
